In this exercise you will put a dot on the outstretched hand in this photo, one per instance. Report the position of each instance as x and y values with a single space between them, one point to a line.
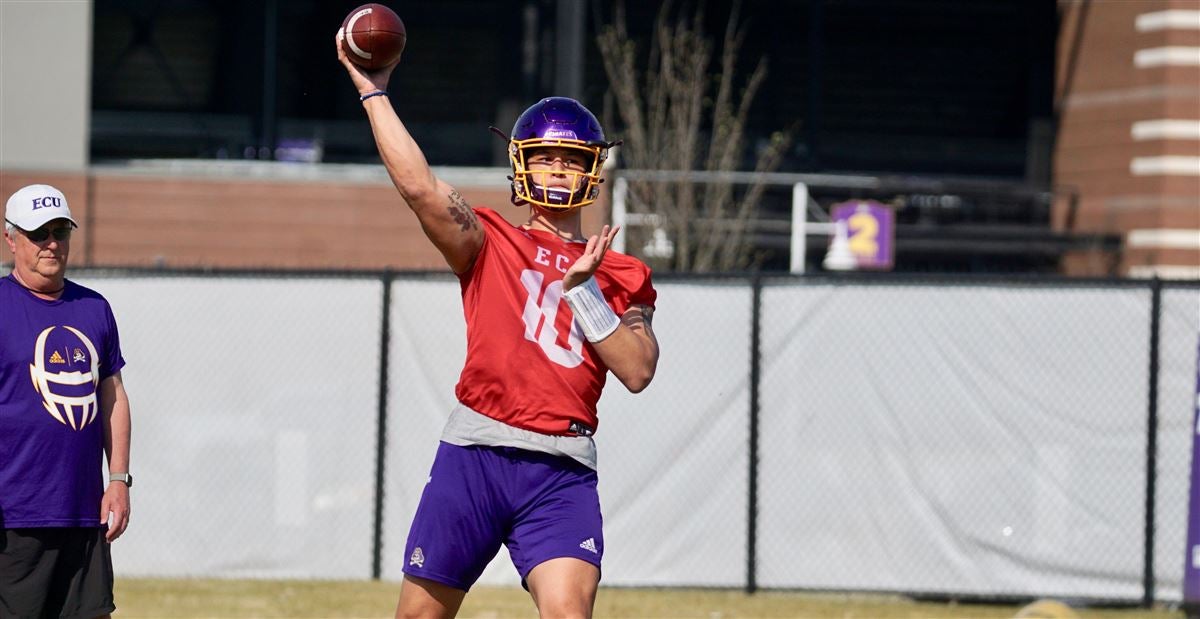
592 256
365 81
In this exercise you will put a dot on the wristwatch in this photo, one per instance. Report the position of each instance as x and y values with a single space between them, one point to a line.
124 478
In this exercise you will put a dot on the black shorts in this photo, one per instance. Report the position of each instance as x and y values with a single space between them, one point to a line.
55 572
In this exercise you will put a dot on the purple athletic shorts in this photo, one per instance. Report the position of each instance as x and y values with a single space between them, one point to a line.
540 506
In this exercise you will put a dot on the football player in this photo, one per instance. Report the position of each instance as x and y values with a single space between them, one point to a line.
550 312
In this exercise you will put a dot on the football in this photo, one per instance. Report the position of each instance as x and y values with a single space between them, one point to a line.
373 36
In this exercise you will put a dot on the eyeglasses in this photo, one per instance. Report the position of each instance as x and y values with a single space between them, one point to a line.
41 234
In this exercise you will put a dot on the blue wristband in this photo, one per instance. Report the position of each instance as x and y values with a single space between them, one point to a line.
373 94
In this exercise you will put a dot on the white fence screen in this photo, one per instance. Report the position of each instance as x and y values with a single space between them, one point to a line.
954 439
914 437
254 407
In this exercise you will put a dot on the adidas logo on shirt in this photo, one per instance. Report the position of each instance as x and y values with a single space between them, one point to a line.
589 544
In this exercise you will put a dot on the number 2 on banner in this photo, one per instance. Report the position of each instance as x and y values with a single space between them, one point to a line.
543 314
864 234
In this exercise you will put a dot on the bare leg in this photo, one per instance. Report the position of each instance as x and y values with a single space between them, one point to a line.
564 588
426 599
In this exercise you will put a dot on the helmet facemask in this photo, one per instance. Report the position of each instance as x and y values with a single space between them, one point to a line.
535 185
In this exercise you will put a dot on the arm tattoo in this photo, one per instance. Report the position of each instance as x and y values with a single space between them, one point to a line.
461 212
646 314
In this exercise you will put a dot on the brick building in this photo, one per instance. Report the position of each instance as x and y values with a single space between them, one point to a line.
1129 136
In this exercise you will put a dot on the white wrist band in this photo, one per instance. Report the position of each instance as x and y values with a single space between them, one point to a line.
593 313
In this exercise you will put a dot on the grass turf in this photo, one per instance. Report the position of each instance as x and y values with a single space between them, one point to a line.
221 599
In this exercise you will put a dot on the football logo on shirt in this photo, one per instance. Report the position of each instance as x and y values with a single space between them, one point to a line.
68 395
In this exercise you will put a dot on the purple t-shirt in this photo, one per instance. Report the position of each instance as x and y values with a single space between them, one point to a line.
53 356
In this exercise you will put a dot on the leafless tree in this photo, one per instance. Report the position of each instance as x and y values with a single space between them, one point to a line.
674 121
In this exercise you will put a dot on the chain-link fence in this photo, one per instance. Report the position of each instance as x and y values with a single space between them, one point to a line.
1177 399
254 406
966 437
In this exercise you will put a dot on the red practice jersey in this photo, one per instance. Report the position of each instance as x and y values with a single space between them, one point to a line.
528 362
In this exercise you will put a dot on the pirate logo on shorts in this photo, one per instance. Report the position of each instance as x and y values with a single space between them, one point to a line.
70 395
417 558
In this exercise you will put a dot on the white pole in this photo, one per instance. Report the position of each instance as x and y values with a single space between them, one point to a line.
619 195
799 226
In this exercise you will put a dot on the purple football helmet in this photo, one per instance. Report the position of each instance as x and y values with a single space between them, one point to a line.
557 122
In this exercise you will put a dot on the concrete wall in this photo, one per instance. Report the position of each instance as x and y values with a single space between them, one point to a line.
45 85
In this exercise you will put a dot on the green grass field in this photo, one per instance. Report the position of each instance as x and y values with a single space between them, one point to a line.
220 599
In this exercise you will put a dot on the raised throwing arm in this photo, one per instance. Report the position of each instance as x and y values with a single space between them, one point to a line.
445 216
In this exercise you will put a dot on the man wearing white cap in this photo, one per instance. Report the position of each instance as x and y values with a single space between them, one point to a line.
57 515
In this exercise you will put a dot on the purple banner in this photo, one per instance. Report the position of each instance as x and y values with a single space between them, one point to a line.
871 227
1191 565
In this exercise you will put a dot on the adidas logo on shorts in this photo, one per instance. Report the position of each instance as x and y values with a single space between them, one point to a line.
589 544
